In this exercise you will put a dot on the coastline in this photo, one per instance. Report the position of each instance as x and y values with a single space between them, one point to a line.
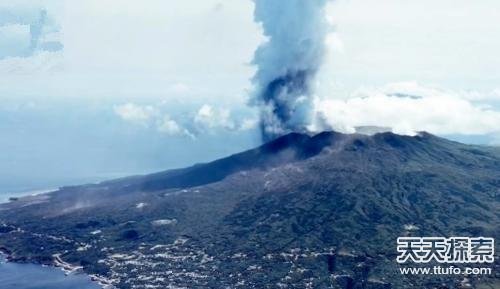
58 263
13 196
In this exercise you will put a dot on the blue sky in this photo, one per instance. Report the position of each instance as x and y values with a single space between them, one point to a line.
94 89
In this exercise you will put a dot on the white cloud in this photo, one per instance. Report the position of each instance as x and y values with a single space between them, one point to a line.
40 62
248 124
136 113
171 127
206 119
210 117
408 108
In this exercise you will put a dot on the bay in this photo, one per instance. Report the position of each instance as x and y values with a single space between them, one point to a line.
30 276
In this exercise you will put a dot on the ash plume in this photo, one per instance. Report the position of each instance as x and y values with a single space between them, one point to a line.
287 63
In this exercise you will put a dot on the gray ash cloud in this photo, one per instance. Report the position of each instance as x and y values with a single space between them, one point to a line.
287 63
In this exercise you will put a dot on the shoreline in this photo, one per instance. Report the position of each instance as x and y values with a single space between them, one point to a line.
8 197
58 263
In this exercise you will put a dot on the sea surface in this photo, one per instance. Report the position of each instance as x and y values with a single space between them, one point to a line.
4 197
29 276
15 188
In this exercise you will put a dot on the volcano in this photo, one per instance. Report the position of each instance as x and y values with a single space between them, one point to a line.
301 211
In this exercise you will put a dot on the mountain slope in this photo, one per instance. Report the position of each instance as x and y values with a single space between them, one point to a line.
322 211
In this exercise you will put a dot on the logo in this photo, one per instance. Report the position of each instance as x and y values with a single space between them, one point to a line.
445 250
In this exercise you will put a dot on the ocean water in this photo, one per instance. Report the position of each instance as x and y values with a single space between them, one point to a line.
23 187
4 197
28 276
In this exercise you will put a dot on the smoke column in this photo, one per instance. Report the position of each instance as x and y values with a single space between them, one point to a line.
288 62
